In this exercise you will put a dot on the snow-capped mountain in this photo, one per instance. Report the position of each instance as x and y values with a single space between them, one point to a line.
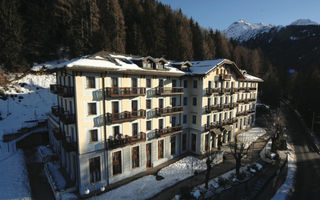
243 30
304 22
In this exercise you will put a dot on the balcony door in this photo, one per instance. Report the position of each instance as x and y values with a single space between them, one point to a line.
173 121
114 85
134 129
116 132
160 123
174 83
134 105
209 84
134 85
174 102
115 107
160 83
160 103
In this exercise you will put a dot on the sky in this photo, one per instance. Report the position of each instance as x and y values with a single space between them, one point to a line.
219 14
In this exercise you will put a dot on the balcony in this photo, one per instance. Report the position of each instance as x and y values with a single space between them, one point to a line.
234 90
168 131
210 91
227 90
64 91
251 99
169 111
228 121
125 116
211 108
225 77
241 89
57 133
243 101
251 111
116 92
67 118
163 91
68 144
243 113
252 88
127 140
211 126
246 89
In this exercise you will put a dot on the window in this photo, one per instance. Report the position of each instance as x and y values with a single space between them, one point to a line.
185 101
184 142
195 84
184 119
209 101
160 149
174 83
185 83
135 129
91 82
148 83
216 84
206 142
227 84
194 101
134 82
148 103
208 119
94 168
173 145
214 118
116 132
193 142
92 109
116 163
194 119
135 157
209 84
149 125
160 83
94 135
114 82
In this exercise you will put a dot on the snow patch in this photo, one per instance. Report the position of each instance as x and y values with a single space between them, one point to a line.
304 22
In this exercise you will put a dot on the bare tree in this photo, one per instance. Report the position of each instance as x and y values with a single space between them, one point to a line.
211 155
238 151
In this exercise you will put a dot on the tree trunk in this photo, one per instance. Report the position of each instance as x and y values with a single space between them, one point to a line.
238 165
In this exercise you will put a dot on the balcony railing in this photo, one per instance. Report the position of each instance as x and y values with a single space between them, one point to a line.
251 111
252 88
211 126
57 133
246 89
211 108
126 140
67 118
210 91
234 90
125 91
68 144
251 99
169 91
241 89
225 77
125 116
64 91
169 110
242 113
243 101
168 131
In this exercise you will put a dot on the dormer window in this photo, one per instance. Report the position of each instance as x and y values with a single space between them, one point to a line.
149 65
144 64
161 65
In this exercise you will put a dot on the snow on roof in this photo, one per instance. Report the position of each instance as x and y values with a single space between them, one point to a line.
252 78
203 67
111 62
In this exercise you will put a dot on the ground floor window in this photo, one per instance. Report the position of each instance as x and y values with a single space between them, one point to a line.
116 162
160 149
94 167
173 145
193 142
206 142
184 142
135 157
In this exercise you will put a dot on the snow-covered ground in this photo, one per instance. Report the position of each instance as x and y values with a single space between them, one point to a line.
148 186
14 182
29 98
286 188
32 102
251 135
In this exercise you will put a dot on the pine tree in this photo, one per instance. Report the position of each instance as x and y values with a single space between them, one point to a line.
11 38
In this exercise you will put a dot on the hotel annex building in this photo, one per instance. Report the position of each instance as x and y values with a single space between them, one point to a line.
117 115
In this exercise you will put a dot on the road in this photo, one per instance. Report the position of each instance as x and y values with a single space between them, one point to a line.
308 161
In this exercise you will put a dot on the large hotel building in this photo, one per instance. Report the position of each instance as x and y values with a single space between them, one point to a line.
118 115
